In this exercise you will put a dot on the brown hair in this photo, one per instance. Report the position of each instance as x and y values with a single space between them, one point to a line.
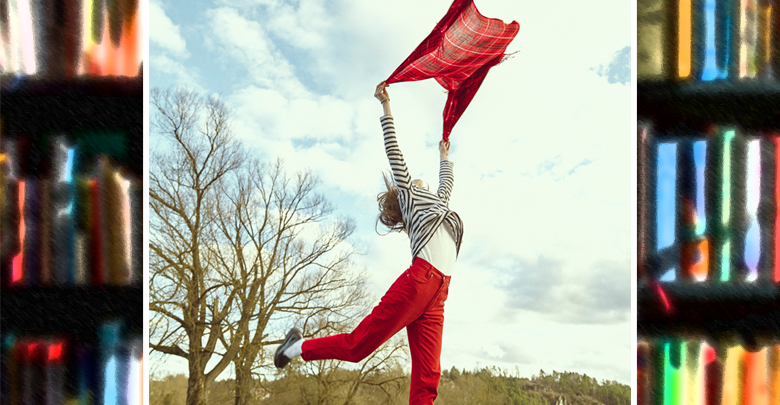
389 208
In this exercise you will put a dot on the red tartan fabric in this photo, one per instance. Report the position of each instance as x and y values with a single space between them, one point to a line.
458 53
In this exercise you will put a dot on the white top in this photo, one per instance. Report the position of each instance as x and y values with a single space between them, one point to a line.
440 251
422 210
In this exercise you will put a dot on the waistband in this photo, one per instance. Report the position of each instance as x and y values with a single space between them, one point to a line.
423 265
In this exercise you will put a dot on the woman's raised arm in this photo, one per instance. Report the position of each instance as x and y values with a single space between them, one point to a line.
394 156
446 177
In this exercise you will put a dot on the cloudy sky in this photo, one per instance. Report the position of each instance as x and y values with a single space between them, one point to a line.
542 155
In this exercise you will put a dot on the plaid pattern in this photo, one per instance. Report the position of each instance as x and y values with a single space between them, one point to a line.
463 46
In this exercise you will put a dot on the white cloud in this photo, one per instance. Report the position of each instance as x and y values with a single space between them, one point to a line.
165 33
246 42
494 351
181 74
319 118
303 25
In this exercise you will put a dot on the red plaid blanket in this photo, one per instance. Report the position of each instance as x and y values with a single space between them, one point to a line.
458 54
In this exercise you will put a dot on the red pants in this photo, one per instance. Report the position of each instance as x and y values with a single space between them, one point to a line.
415 301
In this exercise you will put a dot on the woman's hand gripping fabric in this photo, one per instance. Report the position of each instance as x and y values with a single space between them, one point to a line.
381 94
444 149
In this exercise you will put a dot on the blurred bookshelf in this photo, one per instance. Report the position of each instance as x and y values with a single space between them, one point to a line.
708 108
71 203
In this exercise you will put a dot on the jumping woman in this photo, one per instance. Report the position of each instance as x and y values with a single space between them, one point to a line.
416 298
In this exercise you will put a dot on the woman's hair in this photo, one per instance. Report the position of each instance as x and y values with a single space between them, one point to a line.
389 208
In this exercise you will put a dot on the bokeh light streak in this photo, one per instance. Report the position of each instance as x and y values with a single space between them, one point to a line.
774 375
100 55
24 36
725 261
135 379
684 35
748 38
767 27
777 212
727 141
700 159
124 187
16 272
711 70
753 183
674 377
27 37
756 378
110 396
731 387
695 369
666 194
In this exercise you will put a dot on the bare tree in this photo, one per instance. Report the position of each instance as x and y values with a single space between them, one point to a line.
283 258
196 153
233 243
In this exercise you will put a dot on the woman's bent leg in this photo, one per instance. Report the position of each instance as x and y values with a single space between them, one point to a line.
404 302
356 345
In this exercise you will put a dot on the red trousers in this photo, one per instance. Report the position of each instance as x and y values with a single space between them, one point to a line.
415 301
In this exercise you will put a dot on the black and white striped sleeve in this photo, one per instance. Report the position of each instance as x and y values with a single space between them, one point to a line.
397 164
446 180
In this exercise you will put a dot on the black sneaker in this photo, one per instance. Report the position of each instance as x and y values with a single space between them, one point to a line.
280 360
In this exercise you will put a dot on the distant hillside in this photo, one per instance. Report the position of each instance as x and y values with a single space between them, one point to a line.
493 386
487 386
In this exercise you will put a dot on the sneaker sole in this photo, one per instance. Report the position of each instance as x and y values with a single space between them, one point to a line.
280 360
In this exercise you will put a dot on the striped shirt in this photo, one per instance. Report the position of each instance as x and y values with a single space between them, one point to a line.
422 210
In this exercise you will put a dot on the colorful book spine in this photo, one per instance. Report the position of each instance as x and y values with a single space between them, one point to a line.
643 184
685 39
752 251
70 228
38 370
714 40
65 44
748 39
767 39
712 201
643 373
97 235
17 263
707 40
55 373
666 195
64 215
724 248
652 32
695 372
695 243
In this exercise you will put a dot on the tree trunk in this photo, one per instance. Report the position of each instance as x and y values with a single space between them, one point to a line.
196 386
244 383
353 389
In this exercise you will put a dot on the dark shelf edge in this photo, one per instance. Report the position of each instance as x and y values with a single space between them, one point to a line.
712 310
751 88
76 312
705 292
81 86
